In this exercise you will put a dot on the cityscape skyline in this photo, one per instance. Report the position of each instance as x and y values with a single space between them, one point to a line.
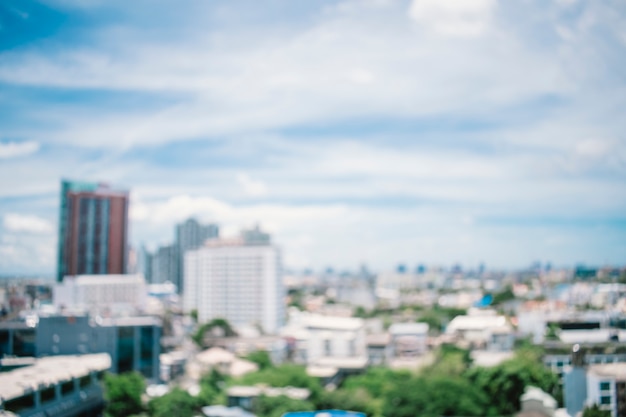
370 132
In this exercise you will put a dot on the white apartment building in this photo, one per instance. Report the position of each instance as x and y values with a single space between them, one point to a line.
327 341
606 386
99 292
238 281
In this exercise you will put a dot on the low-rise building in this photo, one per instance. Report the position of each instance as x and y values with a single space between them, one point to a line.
133 343
408 339
101 293
65 386
331 347
606 386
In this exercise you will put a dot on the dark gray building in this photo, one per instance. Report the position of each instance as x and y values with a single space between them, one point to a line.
165 265
191 235
132 342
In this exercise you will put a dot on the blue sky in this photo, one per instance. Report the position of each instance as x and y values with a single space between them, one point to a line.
356 131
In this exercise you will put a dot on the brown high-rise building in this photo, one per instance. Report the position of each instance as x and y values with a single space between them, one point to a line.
93 230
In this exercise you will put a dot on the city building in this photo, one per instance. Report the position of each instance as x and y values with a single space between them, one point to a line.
536 403
331 347
408 339
93 230
101 293
237 281
606 386
133 343
165 265
69 386
190 235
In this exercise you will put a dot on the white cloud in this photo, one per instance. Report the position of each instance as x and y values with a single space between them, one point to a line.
17 149
250 187
453 18
593 148
14 222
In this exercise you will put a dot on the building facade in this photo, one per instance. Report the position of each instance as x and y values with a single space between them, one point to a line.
101 293
93 230
235 281
190 235
133 343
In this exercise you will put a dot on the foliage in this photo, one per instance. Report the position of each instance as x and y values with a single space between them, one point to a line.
360 312
261 358
177 403
434 320
450 360
355 400
219 324
552 331
296 298
595 411
277 406
504 384
376 381
282 376
503 296
194 315
212 388
123 394
433 397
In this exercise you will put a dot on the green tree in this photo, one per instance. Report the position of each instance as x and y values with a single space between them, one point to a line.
595 411
212 388
376 381
505 295
218 325
177 403
261 358
282 376
434 397
450 360
123 394
277 406
505 383
354 400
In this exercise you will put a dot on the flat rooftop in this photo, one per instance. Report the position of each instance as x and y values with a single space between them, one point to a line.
50 371
609 370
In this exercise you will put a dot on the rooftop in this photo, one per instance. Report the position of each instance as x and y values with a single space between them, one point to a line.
49 371
609 370
408 328
315 321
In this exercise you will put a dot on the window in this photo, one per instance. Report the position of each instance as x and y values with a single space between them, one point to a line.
605 399
21 403
327 348
85 381
605 386
67 387
47 394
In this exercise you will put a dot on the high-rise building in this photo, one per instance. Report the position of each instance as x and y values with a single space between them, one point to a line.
237 281
93 230
165 265
190 235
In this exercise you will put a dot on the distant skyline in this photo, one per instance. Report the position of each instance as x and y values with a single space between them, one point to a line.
356 131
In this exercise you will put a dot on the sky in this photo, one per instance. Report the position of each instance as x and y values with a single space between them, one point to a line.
357 132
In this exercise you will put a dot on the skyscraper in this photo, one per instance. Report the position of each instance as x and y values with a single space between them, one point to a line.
93 229
235 280
191 235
